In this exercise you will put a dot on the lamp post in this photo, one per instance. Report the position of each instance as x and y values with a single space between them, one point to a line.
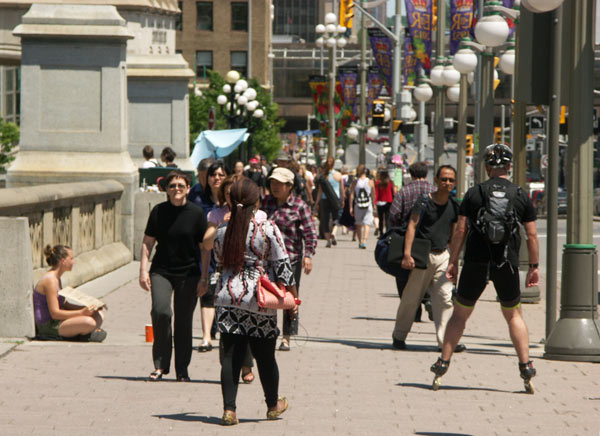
332 36
423 93
239 105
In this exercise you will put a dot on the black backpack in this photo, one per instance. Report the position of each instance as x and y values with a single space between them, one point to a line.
497 220
362 199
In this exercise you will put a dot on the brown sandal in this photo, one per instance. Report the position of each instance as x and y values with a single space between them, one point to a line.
248 377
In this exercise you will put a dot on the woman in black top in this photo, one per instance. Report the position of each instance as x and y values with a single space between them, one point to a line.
178 227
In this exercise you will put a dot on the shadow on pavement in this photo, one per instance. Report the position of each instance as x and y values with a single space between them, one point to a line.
435 433
453 388
191 417
145 379
371 318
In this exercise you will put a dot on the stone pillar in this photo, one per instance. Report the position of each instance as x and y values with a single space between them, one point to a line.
74 101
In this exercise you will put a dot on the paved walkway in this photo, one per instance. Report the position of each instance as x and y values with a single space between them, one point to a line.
341 377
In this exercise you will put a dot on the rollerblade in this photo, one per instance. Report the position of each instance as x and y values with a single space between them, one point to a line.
527 373
439 368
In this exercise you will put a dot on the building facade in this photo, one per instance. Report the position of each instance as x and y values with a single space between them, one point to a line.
223 35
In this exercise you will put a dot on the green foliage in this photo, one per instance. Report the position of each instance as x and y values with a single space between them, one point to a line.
265 138
9 138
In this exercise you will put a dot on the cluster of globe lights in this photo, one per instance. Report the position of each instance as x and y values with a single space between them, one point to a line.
244 96
331 32
491 31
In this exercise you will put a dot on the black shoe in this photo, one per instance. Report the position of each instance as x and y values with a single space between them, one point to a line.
459 348
429 310
398 345
418 314
333 240
204 347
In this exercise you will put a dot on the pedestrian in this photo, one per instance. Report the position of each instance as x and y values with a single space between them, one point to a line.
400 211
209 200
197 190
284 160
385 190
362 203
177 226
254 173
433 217
168 156
293 217
330 200
489 219
55 318
149 160
243 249
238 168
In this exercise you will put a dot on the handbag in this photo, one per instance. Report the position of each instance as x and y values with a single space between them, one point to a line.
419 251
270 296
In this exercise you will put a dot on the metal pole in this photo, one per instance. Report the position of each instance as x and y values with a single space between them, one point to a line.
321 67
331 141
502 122
576 335
249 55
512 100
486 117
396 83
440 113
462 137
363 90
518 124
423 134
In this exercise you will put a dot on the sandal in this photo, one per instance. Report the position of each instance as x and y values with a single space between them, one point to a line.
183 377
205 346
229 418
155 376
248 376
274 414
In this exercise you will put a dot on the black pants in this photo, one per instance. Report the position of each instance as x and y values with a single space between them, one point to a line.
183 290
383 212
290 326
234 350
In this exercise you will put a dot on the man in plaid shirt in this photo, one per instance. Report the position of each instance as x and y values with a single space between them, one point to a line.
292 215
400 212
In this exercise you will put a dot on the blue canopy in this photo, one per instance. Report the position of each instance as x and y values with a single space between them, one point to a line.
217 143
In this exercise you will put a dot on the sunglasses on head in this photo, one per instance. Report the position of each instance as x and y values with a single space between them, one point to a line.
447 179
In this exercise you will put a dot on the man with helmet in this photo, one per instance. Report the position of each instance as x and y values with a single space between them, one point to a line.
489 259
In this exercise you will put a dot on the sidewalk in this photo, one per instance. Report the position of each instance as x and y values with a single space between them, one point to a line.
341 377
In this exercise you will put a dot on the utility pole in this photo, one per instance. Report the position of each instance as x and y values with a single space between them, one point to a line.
362 158
440 103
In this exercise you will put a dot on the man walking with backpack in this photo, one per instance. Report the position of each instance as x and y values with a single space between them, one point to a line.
489 220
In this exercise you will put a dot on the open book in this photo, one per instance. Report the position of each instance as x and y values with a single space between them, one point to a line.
79 298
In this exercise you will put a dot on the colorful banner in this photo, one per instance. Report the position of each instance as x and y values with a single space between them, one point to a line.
461 19
410 62
418 14
319 86
511 24
348 79
375 83
383 54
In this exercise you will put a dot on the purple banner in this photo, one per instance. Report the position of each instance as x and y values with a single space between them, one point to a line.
461 18
383 54
511 24
418 14
348 77
375 84
410 63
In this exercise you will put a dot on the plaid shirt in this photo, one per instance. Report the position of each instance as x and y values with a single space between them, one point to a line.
405 200
295 223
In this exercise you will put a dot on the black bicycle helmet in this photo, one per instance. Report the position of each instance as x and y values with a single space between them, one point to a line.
498 155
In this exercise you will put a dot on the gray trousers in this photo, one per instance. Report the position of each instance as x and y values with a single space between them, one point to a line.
183 290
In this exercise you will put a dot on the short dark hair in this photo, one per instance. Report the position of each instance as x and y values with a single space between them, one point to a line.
176 174
169 154
448 167
148 152
205 164
418 170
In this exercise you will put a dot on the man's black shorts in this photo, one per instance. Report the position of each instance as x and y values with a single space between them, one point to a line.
473 280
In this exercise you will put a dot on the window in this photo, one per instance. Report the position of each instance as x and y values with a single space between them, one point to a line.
239 16
204 62
11 102
204 15
179 17
239 62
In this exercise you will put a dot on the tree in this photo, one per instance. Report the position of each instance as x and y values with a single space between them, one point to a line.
265 139
9 138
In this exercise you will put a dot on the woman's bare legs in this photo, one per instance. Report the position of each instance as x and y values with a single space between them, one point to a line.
80 325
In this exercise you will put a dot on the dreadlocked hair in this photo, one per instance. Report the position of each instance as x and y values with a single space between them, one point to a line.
244 196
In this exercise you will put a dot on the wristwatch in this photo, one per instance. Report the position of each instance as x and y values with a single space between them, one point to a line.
204 280
533 265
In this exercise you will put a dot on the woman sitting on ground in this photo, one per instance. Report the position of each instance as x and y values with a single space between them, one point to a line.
54 317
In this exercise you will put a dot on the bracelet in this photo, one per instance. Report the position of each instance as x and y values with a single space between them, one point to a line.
533 265
204 280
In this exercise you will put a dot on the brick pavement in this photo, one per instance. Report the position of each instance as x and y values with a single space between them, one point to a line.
341 377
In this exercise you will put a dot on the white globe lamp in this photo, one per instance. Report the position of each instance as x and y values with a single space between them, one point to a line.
453 93
372 132
491 31
241 101
465 60
330 18
341 42
450 75
339 152
250 94
227 88
540 6
331 42
320 42
221 99
412 114
423 92
507 62
352 133
258 113
436 76
320 28
232 77
331 29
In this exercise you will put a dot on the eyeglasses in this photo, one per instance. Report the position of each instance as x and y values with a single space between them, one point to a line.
177 186
218 175
446 179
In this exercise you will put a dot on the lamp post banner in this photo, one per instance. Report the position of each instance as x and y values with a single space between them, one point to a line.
418 14
461 19
349 78
374 85
511 24
318 88
410 63
383 53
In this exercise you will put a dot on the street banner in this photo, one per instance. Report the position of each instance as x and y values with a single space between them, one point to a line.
461 18
375 83
410 62
418 14
383 54
511 24
348 77
319 87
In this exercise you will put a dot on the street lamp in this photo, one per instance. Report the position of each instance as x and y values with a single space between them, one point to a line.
332 37
423 93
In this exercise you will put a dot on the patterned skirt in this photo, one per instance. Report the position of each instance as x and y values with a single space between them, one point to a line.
242 322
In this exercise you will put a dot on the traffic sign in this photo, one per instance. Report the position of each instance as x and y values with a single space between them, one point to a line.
536 124
544 161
